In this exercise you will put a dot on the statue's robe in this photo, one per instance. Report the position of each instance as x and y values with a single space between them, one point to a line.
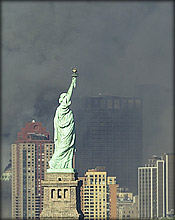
64 136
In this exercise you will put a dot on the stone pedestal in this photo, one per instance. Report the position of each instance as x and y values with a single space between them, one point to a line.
61 196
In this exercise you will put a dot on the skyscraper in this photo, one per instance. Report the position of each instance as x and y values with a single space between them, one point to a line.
30 155
155 187
109 133
147 189
98 197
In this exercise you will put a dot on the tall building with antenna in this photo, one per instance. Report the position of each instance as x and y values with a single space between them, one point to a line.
29 156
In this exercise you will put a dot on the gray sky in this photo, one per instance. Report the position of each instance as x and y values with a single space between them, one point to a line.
115 46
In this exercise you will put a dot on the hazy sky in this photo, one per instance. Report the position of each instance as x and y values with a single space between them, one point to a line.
114 45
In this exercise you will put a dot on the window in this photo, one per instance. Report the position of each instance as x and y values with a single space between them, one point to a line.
137 102
65 193
109 103
116 103
102 103
52 191
124 102
130 103
59 196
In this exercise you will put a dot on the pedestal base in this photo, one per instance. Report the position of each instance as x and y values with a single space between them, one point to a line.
61 170
61 196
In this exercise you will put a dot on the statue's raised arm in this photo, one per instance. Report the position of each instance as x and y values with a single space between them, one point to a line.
64 130
72 85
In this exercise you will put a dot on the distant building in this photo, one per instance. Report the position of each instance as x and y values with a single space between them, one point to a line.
128 205
151 189
30 155
112 198
5 181
97 200
109 133
155 183
170 180
7 174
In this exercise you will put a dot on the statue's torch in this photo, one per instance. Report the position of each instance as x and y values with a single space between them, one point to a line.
74 76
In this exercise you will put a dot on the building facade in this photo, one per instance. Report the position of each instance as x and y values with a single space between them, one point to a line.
169 159
128 205
112 197
30 155
98 197
155 187
5 181
109 130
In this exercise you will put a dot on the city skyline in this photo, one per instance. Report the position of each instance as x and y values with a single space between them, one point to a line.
29 159
120 49
116 52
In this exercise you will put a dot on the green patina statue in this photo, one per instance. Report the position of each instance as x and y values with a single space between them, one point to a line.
64 132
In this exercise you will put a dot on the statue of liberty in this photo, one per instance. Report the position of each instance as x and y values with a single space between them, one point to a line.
64 130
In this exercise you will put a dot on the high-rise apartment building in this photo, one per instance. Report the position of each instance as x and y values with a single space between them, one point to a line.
109 133
30 155
153 182
97 200
151 189
112 198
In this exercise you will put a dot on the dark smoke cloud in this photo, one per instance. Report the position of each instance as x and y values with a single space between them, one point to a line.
115 46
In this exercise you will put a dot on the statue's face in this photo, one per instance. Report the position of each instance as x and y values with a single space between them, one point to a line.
61 97
60 100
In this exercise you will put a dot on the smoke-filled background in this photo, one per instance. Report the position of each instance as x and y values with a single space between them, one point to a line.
119 48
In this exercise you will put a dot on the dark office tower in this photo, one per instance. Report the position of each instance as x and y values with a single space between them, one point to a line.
109 133
30 155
